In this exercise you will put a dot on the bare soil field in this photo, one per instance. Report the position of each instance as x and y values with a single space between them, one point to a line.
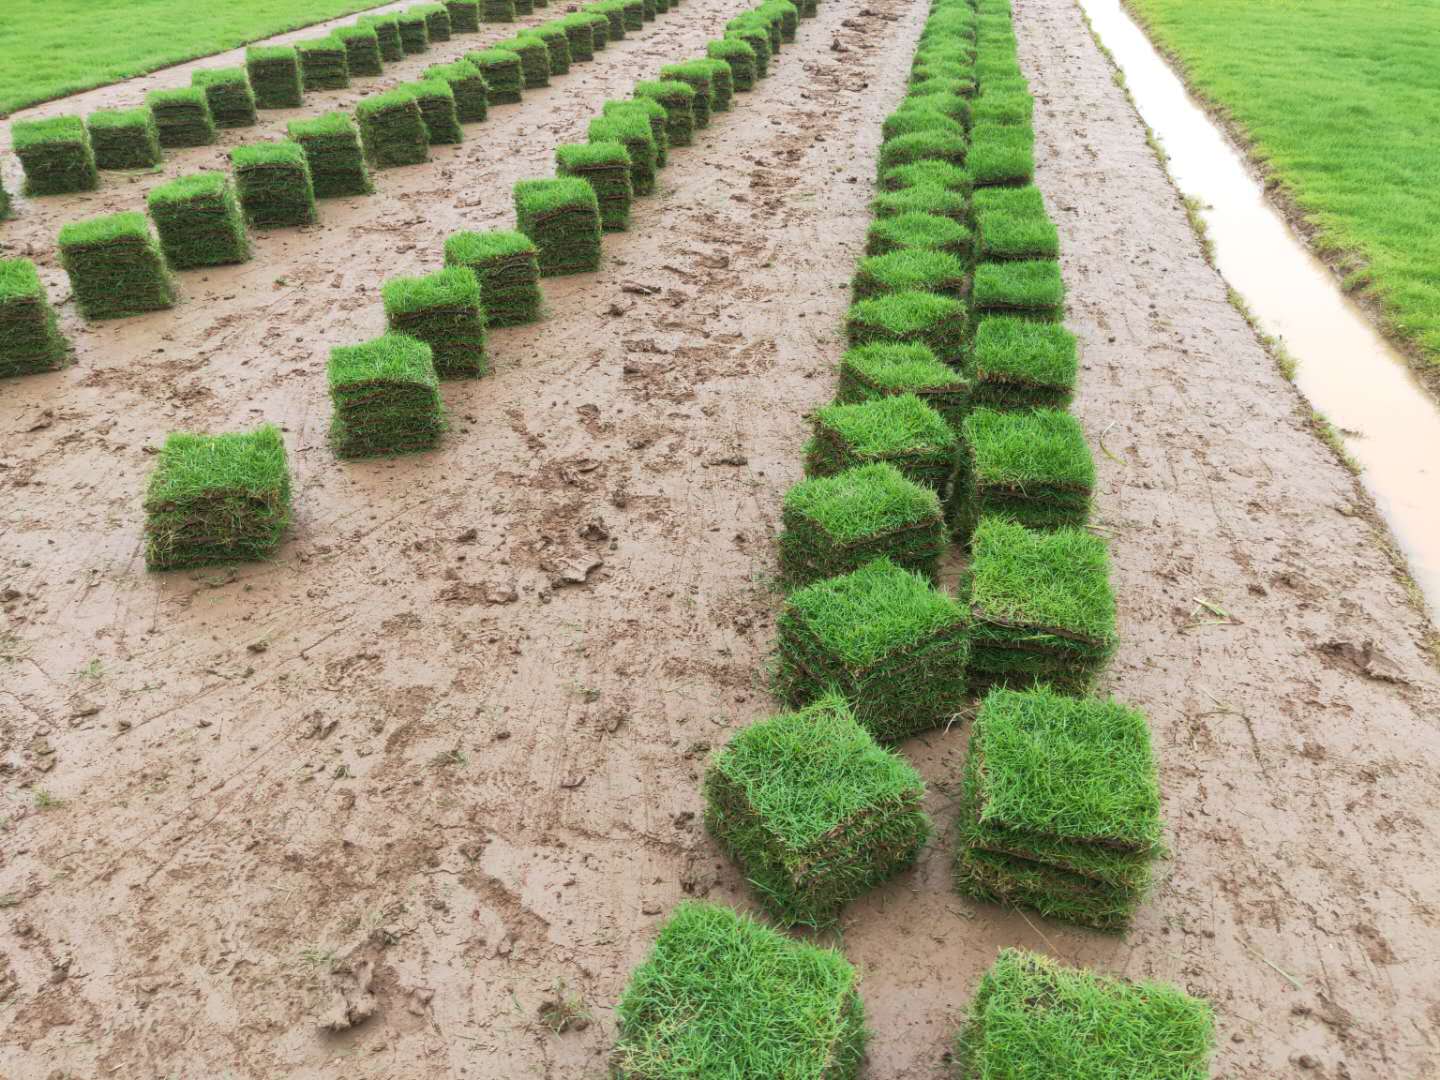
432 776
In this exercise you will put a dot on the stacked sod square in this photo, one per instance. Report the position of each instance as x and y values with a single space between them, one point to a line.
386 397
758 38
1033 1017
579 35
124 138
442 310
740 58
911 269
1060 807
722 995
464 16
228 92
387 30
467 86
599 29
836 524
437 20
1011 223
613 11
182 116
501 69
534 57
634 14
332 151
215 499
274 183
392 129
895 646
923 198
363 55
499 11
29 340
654 114
115 267
921 318
198 221
562 217
557 45
605 166
323 65
507 266
437 110
632 131
678 100
814 810
1021 364
275 76
414 31
696 74
1042 606
919 231
899 429
886 369
1031 466
55 154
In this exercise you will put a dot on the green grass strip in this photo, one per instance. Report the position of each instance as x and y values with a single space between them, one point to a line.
937 322
911 269
1002 155
885 369
387 30
654 114
934 174
1031 287
1032 466
926 232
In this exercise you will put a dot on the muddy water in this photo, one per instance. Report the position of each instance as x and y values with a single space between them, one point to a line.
1346 369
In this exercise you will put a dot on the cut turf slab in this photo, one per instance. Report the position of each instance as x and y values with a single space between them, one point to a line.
923 198
29 339
678 100
632 131
562 217
911 269
275 76
442 310
605 166
741 59
1032 287
273 180
332 148
899 429
928 232
437 110
124 138
363 56
198 221
937 322
232 101
386 397
869 372
501 69
507 266
182 116
1001 155
467 85
814 810
939 174
1020 363
392 129
55 154
115 266
1031 466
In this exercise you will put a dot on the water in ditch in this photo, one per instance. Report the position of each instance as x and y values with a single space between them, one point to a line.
1346 369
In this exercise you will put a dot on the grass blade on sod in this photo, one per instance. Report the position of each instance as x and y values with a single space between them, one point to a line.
115 267
29 339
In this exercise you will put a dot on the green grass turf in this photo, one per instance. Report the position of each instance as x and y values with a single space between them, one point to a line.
386 397
1341 102
632 131
363 55
720 995
275 76
115 266
893 644
923 146
923 198
437 20
216 499
56 155
1020 363
835 524
868 372
1001 154
182 114
1035 1019
557 45
331 143
605 166
654 114
507 265
232 102
392 129
50 48
678 98
939 174
910 269
1004 108
198 220
442 310
900 429
578 32
814 810
1032 466
919 117
273 180
759 41
323 63
124 138
503 74
534 57
562 217
437 110
929 232
741 58
695 74
387 29
1026 201
414 31
1031 287
1016 236
937 322
29 340
464 16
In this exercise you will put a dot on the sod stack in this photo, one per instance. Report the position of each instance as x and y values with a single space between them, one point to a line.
392 129
632 132
605 166
1060 808
386 397
55 154
740 58
387 30
1022 364
654 114
922 198
580 36
1031 466
678 100
414 31
228 92
1033 1017
274 76
911 318
29 340
322 64
599 29
557 45
507 266
115 267
722 995
834 525
562 217
332 152
467 87
888 369
274 183
182 116
464 16
900 429
501 69
613 11
525 7
442 310
919 231
887 639
759 41
198 221
362 49
437 110
216 499
437 20
911 269
814 810
696 75
1042 606
534 57
499 10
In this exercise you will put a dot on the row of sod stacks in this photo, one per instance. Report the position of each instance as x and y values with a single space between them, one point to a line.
115 267
55 154
332 151
275 76
362 49
437 110
1033 1017
182 116
215 499
198 221
722 995
322 63
386 397
501 69
605 166
273 180
562 218
814 810
414 31
392 129
29 340
507 266
228 92
1060 807
387 31
467 88
632 132
896 646
443 310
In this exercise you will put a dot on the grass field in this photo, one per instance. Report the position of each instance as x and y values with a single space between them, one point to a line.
1342 102
49 48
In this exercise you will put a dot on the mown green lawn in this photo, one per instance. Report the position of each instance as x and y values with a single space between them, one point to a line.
49 48
1342 101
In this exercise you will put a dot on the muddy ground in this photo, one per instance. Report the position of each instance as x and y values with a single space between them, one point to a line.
439 762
